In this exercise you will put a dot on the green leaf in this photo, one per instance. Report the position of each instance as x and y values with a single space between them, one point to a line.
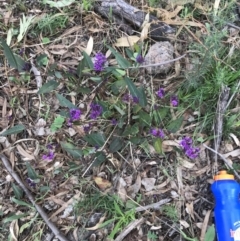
64 102
210 234
158 145
71 149
95 139
175 125
42 60
13 130
57 124
100 158
131 130
18 192
159 115
31 172
120 111
80 68
15 217
46 40
22 203
118 209
116 144
142 97
59 4
145 118
135 92
123 63
88 60
48 87
24 25
13 60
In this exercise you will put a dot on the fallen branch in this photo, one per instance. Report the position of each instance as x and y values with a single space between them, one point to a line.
44 216
153 206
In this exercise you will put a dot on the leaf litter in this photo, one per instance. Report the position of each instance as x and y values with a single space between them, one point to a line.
154 184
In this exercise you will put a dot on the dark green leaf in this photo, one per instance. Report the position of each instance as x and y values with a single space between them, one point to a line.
48 87
123 63
14 130
116 144
157 143
44 189
210 234
57 124
175 125
64 102
71 149
42 60
100 158
22 203
131 130
132 88
31 172
13 60
81 67
159 115
15 217
145 118
88 60
135 140
95 139
142 97
18 192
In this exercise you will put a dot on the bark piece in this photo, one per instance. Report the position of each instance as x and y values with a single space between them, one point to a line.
125 13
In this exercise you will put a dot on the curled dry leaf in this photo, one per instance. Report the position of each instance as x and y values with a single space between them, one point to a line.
148 183
134 189
39 129
126 41
102 183
98 225
236 140
25 154
89 47
122 193
14 230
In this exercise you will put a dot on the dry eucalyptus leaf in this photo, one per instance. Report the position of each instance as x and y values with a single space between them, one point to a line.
122 193
148 183
89 47
102 183
126 41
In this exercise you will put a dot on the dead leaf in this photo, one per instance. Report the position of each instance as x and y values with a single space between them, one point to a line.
126 41
184 224
232 153
39 129
25 154
205 225
190 210
14 230
148 183
102 183
98 225
144 32
122 193
134 189
186 23
236 140
187 164
89 47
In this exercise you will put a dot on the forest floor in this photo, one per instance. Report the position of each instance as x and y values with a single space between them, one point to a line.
94 145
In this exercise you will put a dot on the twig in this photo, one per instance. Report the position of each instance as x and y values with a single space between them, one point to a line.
129 228
234 93
157 64
224 159
44 216
153 205
233 26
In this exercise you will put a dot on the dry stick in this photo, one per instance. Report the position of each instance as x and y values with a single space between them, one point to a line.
44 216
129 228
224 159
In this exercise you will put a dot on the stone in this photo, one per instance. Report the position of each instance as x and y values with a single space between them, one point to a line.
157 53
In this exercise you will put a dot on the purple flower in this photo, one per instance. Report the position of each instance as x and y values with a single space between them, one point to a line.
96 110
157 133
26 66
49 156
99 61
192 152
87 127
187 145
160 93
75 114
114 122
135 99
139 59
174 101
31 182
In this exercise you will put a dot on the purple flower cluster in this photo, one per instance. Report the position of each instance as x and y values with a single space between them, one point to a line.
174 101
50 155
160 93
96 110
31 182
157 132
99 61
187 145
74 116
129 98
139 59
